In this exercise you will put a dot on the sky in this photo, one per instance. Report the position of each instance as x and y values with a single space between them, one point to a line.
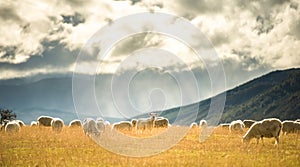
251 38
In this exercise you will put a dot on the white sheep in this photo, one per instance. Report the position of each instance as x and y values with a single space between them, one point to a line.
266 128
290 127
33 123
101 125
123 125
236 126
21 123
90 127
134 122
225 125
203 123
57 124
143 124
75 123
194 125
161 122
248 123
44 120
12 127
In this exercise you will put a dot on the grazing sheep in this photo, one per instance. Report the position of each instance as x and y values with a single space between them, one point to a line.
101 125
161 122
225 125
123 125
143 124
248 123
133 122
194 125
57 124
33 124
266 128
12 127
75 123
90 127
236 126
21 123
290 127
203 123
44 120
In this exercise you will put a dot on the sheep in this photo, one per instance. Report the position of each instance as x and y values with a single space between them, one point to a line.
248 123
90 127
225 125
75 123
44 120
236 126
161 122
33 124
133 122
194 125
123 125
101 125
203 123
268 128
57 124
290 127
143 124
12 127
21 123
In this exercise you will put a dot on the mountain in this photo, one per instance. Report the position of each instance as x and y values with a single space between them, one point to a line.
50 96
276 94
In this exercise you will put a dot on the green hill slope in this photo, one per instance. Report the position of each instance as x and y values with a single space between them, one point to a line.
276 94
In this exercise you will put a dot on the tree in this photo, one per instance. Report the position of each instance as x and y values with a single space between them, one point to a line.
7 115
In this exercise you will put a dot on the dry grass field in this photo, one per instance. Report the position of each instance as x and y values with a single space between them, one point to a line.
41 147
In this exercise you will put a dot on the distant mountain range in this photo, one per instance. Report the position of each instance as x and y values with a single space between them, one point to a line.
276 94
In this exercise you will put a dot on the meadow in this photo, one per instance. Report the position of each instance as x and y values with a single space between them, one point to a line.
42 147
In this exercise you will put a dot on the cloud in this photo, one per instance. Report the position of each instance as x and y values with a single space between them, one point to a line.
8 14
75 19
55 58
37 36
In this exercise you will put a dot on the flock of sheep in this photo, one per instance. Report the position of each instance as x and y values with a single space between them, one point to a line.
267 128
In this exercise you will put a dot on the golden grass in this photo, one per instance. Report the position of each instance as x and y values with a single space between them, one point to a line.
42 147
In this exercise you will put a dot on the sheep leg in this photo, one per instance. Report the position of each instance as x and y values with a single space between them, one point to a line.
262 140
257 141
277 140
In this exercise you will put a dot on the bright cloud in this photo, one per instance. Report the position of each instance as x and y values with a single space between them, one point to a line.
40 35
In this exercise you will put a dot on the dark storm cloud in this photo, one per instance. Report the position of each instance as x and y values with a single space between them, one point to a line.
9 13
247 61
200 6
264 25
9 52
133 2
75 2
135 42
55 55
260 7
294 5
75 19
